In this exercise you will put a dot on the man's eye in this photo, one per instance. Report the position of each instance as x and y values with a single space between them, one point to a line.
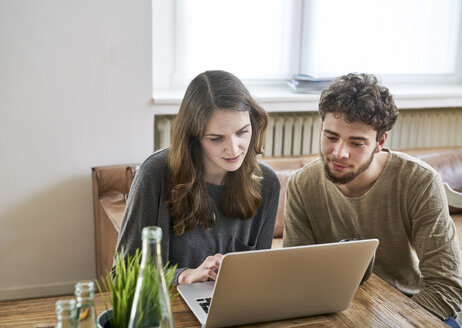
356 144
331 138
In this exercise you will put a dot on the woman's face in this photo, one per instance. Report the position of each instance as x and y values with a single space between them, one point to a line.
225 143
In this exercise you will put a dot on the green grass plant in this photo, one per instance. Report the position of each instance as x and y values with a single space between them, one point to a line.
121 285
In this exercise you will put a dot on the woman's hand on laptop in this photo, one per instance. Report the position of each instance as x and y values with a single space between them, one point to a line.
208 270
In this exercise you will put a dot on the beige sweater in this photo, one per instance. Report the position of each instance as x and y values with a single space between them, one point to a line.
406 209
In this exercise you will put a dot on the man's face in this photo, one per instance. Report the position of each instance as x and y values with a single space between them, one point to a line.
347 149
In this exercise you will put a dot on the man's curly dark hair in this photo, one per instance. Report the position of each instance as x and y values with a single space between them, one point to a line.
359 97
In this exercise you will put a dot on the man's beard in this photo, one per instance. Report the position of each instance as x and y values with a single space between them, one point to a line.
348 177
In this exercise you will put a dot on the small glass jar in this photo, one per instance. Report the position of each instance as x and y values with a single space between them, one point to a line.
66 312
85 293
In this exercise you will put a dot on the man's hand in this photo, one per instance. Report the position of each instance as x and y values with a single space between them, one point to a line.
206 271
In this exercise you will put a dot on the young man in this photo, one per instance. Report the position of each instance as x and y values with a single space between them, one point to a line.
359 189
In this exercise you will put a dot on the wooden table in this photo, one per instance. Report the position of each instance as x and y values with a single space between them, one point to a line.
376 304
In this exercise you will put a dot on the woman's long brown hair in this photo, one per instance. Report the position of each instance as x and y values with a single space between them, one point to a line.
189 201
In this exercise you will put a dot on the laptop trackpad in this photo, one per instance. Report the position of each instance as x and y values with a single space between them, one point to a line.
197 289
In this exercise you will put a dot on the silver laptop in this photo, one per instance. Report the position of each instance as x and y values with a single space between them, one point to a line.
278 284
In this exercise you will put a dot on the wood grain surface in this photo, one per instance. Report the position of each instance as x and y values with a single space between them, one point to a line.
376 304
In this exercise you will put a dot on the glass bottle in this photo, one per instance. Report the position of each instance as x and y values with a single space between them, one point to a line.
66 312
151 303
85 293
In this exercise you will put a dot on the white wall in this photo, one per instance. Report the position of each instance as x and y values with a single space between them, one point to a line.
75 92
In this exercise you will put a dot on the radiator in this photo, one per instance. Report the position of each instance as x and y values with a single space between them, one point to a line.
298 133
427 128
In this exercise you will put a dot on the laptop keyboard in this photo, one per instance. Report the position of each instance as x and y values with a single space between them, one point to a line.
204 303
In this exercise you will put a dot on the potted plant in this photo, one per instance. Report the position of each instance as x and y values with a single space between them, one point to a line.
121 285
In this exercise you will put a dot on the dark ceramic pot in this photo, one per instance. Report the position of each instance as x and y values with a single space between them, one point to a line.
103 319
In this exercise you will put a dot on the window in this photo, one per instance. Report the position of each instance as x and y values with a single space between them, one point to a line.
270 40
250 38
390 37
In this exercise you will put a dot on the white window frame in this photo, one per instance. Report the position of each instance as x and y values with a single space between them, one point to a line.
409 92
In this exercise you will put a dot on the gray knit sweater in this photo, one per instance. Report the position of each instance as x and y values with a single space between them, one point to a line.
147 205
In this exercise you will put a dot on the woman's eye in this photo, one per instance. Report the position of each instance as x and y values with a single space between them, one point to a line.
217 139
240 133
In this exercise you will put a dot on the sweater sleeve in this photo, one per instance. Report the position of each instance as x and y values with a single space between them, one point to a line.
436 243
146 206
297 227
141 211
143 207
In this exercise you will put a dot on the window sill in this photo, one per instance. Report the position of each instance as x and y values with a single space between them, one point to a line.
279 98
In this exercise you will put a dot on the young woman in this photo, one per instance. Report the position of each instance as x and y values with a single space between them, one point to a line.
207 192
